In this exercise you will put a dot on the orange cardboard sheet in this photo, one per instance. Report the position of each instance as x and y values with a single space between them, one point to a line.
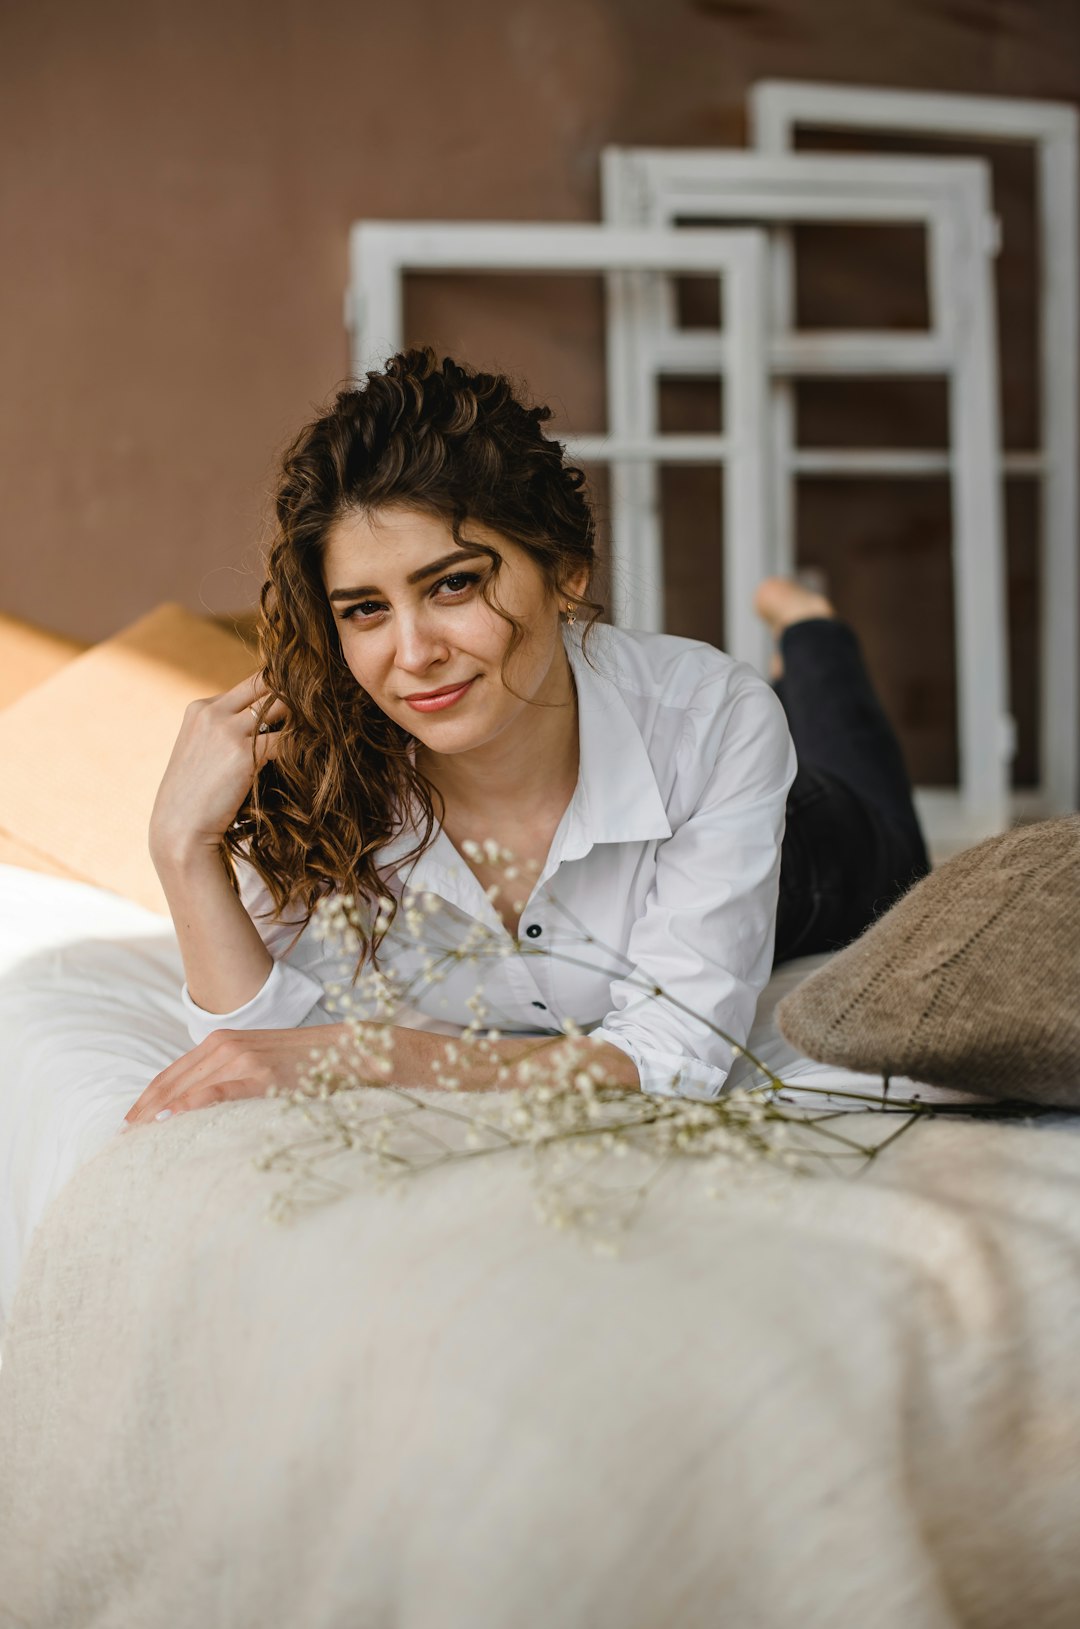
12 852
29 656
83 752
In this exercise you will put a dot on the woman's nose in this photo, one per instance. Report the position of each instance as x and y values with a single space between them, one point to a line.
419 643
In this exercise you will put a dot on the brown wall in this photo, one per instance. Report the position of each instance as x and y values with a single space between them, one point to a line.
178 182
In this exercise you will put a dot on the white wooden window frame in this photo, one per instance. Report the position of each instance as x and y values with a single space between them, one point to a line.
382 253
950 198
777 109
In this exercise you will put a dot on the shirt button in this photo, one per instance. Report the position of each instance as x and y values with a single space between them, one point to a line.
534 930
540 1004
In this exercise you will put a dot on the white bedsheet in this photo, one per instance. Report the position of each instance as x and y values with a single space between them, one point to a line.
89 1012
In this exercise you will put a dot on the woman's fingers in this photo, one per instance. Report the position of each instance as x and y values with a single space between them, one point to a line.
203 1097
272 707
265 742
182 1091
228 1063
196 1097
267 712
266 747
258 710
193 1066
254 705
251 689
225 1053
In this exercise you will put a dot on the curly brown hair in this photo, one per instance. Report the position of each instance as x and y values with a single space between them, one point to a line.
430 435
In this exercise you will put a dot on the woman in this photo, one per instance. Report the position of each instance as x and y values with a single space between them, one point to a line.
435 679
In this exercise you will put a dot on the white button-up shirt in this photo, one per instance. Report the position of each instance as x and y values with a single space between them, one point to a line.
663 872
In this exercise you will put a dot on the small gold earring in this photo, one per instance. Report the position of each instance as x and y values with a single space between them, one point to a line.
571 615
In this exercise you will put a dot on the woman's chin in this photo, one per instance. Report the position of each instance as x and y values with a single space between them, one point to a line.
454 738
441 733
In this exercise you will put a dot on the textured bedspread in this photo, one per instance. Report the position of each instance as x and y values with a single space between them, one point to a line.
830 1401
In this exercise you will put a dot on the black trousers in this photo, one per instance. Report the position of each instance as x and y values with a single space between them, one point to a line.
852 844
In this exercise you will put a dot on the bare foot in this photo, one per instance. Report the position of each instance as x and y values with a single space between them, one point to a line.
781 601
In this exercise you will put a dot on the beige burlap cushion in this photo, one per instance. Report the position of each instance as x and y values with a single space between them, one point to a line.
971 980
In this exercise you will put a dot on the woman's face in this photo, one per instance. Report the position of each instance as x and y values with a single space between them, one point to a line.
411 619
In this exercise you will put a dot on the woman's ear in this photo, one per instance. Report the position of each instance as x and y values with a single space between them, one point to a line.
577 585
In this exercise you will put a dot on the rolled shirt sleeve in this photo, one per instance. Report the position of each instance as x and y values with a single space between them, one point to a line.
286 1001
294 993
300 988
708 930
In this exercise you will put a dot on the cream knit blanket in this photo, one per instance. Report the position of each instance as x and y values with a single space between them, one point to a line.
818 1402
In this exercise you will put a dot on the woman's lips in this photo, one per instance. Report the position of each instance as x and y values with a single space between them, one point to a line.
434 704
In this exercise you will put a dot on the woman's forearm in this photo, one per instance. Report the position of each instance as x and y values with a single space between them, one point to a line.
225 961
215 758
417 1051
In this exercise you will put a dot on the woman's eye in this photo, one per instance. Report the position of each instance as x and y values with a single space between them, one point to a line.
458 582
465 577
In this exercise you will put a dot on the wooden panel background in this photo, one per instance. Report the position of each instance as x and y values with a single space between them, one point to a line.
178 182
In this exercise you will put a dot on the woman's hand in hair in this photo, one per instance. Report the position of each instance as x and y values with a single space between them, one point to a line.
217 754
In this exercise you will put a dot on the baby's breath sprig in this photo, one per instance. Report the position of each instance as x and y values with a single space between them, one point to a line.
587 1138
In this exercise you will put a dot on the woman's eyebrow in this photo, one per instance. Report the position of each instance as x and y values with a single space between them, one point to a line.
413 577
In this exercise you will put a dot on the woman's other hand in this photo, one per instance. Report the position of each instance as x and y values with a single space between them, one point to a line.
232 1063
215 759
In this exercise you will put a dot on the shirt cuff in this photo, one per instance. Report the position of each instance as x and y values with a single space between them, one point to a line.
668 1074
283 1003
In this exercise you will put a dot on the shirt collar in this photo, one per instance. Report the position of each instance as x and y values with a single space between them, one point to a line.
616 800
